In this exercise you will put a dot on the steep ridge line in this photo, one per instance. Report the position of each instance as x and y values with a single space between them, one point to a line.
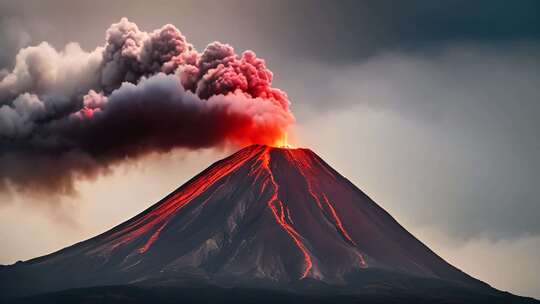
162 213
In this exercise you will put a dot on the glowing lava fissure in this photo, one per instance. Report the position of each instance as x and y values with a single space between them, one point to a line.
280 216
160 213
303 162
145 230
263 213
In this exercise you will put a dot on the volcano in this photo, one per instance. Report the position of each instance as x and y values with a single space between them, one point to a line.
264 218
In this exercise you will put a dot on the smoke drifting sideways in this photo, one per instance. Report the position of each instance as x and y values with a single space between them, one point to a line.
72 114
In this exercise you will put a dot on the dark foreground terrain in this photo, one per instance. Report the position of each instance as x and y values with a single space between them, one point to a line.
371 287
213 294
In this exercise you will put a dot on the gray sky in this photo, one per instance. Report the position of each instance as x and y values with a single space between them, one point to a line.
432 109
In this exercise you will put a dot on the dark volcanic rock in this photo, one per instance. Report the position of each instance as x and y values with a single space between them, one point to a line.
265 218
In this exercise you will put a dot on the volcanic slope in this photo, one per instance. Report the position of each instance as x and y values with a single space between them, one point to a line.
264 216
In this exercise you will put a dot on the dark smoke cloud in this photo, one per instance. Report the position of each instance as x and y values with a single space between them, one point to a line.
72 114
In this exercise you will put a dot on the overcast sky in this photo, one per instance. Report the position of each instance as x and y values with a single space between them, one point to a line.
431 108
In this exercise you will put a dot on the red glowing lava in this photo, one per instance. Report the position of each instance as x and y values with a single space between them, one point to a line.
146 229
162 211
280 216
264 214
305 169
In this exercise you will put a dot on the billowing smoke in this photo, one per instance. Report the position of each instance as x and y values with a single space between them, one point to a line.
72 114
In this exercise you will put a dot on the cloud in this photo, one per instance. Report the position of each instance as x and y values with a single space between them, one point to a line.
446 138
13 36
73 114
511 265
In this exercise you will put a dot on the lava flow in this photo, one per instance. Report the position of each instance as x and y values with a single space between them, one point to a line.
302 161
265 216
172 204
280 216
264 213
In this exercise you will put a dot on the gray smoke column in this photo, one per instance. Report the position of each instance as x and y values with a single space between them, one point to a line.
72 114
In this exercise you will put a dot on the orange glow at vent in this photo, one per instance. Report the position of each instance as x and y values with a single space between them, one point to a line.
283 142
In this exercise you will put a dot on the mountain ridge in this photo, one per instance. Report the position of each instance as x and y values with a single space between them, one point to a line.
264 216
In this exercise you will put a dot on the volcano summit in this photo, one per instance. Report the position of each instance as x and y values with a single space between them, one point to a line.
262 219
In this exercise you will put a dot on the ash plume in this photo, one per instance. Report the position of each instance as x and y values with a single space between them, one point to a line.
73 114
